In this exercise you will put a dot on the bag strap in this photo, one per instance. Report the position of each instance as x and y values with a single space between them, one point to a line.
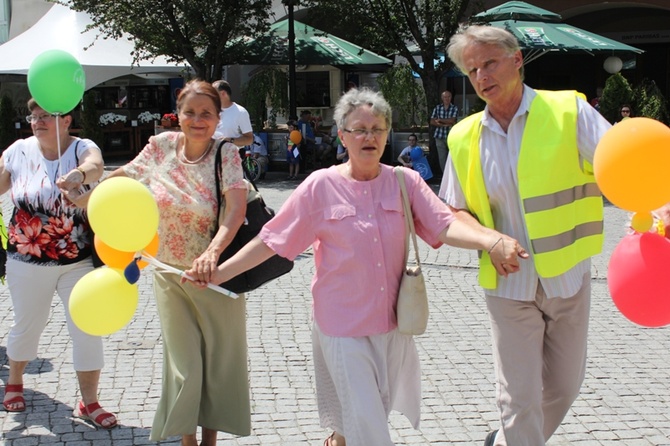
251 194
217 176
409 220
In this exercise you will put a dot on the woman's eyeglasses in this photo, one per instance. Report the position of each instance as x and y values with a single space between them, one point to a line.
363 133
32 119
625 111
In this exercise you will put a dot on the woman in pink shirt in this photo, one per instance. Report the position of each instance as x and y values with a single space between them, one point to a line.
352 215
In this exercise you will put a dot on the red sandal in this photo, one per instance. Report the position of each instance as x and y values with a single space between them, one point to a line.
16 400
84 412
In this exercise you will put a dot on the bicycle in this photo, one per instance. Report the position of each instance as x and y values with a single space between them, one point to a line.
250 166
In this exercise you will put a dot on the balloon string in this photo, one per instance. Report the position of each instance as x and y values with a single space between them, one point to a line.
60 165
158 264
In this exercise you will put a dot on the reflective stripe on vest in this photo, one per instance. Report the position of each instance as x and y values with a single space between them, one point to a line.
561 202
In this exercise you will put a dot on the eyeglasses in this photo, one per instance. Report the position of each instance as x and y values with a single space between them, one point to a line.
625 111
30 119
363 133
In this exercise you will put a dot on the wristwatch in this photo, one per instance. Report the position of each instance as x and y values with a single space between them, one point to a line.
83 173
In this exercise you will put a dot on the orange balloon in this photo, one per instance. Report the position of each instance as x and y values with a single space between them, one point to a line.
295 137
120 259
631 164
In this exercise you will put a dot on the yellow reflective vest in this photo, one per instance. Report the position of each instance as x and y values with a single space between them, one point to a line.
562 205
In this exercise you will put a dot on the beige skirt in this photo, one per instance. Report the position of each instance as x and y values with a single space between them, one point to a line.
205 376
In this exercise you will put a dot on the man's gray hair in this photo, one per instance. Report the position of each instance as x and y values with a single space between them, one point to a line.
355 98
487 35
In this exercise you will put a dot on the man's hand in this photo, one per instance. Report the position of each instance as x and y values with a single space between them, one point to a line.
505 253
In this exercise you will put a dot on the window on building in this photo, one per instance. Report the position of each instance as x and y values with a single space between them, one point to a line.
312 89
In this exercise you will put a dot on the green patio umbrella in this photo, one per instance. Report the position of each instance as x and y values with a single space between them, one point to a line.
312 47
517 10
539 31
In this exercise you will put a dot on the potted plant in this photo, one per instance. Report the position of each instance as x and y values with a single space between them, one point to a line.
170 120
112 120
147 117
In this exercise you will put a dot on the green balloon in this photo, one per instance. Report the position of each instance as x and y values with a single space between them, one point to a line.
56 81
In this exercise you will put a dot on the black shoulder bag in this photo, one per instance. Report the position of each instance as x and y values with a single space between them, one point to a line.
257 215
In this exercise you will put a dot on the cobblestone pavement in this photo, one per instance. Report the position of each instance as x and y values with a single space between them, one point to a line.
625 398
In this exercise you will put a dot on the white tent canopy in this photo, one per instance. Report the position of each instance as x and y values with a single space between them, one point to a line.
62 28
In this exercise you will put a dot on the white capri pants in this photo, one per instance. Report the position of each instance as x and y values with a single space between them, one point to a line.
32 290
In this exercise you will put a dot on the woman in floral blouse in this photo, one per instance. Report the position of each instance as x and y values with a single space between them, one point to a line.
49 240
205 378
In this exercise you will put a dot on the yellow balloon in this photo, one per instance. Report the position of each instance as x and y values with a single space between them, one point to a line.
102 302
123 213
642 221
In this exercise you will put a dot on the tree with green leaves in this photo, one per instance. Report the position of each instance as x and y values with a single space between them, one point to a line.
7 119
648 101
268 88
196 31
617 92
88 120
405 95
407 28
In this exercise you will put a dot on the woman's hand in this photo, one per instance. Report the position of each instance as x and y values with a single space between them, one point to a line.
71 180
505 253
203 267
663 214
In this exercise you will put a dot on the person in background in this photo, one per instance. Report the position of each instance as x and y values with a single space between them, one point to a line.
205 376
342 153
304 125
293 154
351 214
260 153
234 122
308 148
531 151
443 118
49 241
626 112
404 158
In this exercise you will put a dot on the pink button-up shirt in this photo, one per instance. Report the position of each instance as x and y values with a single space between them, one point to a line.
357 231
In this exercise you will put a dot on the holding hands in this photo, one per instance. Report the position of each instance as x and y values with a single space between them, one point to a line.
204 267
70 186
505 253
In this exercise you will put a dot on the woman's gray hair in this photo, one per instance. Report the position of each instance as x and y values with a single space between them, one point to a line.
355 98
486 35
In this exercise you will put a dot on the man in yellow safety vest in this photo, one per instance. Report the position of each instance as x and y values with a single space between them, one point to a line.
522 166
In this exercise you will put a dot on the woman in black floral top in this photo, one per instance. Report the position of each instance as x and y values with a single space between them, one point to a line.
49 240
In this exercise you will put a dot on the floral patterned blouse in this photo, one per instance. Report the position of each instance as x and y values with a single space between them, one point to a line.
44 228
185 194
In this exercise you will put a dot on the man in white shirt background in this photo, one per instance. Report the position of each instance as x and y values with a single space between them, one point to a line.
234 124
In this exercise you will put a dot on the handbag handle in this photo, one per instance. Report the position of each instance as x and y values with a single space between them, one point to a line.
409 220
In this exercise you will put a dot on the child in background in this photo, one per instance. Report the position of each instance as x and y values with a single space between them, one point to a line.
292 154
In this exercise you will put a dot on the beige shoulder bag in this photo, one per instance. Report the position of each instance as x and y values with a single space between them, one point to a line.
412 306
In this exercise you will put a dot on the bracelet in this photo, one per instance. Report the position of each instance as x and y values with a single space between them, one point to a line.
494 245
83 174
